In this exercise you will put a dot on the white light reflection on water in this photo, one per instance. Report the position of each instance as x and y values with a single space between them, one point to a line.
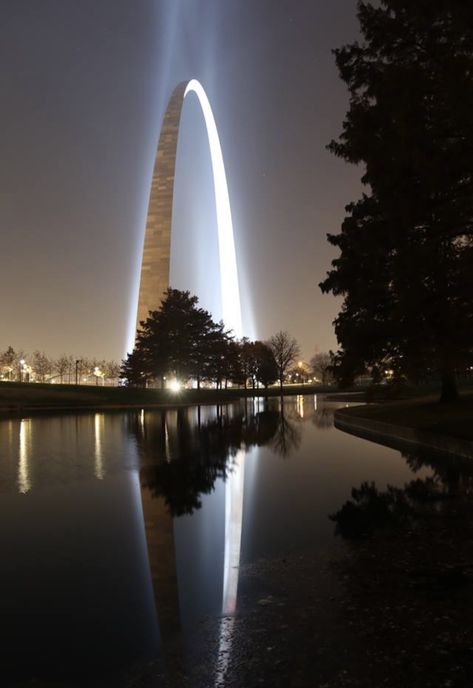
233 522
234 488
167 445
99 470
24 480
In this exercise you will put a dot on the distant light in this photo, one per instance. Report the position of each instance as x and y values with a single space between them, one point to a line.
175 386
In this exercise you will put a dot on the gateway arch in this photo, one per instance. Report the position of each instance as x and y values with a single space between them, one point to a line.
157 245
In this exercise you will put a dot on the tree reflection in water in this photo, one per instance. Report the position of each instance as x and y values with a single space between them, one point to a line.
407 579
287 436
181 460
371 510
323 418
183 456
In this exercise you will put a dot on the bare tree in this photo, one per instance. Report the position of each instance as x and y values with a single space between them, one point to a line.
321 364
71 368
62 366
85 369
286 350
112 371
41 365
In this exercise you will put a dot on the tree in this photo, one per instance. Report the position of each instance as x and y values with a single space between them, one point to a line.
321 364
180 339
285 350
82 369
236 372
41 365
85 369
133 372
62 366
265 366
9 363
247 359
112 371
213 360
406 247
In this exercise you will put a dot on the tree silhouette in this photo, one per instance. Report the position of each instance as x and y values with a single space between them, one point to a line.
179 339
407 245
371 510
183 462
285 350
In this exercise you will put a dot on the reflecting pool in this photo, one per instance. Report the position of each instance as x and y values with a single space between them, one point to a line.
121 532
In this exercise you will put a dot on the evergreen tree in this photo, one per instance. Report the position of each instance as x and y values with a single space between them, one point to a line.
134 371
407 245
180 339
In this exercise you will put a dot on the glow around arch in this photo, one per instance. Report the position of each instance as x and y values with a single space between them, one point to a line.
157 245
230 290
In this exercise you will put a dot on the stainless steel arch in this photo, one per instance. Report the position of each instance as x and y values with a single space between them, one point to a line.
157 245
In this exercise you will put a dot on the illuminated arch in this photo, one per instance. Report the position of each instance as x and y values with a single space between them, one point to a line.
157 246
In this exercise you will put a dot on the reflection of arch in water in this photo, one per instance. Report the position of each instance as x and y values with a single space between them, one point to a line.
157 244
234 488
155 435
159 531
183 454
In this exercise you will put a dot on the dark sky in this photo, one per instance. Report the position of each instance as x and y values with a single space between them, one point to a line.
83 88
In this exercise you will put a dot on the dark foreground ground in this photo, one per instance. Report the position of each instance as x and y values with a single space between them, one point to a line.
393 611
386 614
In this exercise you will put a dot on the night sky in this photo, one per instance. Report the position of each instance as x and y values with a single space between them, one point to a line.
83 88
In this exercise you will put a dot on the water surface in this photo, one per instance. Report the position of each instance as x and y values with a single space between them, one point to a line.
122 532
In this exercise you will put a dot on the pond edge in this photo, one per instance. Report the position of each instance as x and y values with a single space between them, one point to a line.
398 437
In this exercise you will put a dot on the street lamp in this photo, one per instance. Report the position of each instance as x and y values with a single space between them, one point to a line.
98 373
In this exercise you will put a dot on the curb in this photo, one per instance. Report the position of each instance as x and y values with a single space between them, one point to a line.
394 435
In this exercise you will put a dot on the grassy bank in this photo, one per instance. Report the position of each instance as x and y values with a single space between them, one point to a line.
16 397
425 413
